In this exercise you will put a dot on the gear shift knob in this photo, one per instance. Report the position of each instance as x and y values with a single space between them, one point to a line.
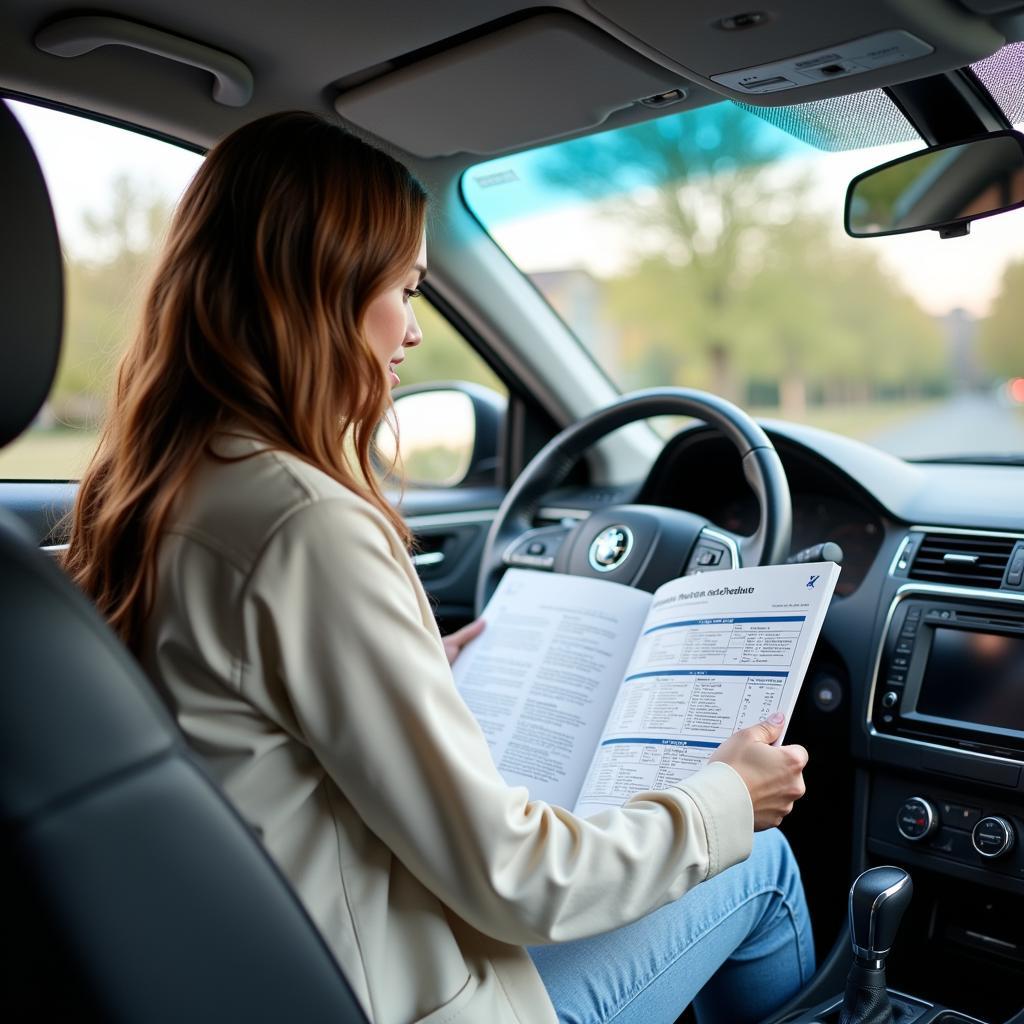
878 899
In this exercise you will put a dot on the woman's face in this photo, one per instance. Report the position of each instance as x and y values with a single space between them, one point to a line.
390 322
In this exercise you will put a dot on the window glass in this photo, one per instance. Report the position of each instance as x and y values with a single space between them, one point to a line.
112 192
444 354
437 428
706 249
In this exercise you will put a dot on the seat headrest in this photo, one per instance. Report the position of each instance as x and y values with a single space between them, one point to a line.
31 282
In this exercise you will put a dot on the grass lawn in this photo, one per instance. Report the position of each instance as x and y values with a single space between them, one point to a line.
48 455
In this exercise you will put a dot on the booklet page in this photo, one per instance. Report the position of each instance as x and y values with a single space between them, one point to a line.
542 676
717 652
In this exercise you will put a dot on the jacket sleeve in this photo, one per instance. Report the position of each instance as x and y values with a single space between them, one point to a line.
337 620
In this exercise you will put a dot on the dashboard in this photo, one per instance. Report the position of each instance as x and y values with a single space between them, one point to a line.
699 471
912 706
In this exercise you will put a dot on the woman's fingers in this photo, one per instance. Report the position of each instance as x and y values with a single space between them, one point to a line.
454 642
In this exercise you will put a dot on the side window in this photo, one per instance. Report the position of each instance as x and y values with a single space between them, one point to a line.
448 434
112 192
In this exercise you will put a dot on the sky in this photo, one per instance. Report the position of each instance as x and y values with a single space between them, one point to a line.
81 157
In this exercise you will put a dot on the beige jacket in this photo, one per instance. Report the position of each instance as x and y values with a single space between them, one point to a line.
299 649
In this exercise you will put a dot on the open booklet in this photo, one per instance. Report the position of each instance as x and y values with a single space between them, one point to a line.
590 692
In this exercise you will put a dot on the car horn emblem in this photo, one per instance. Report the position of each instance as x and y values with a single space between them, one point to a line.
610 548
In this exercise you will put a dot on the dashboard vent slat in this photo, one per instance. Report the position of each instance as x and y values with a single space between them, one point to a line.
965 560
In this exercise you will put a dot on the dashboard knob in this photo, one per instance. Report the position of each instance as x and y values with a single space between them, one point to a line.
993 837
917 819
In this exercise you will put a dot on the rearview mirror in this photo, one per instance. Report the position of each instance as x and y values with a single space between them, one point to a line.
943 188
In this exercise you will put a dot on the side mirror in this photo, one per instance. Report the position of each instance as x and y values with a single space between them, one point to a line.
943 188
448 433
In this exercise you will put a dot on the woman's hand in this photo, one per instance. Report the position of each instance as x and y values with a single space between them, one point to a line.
454 642
773 775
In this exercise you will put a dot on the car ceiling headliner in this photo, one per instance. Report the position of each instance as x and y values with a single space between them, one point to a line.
306 53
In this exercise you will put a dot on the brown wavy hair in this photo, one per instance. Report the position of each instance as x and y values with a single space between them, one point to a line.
253 318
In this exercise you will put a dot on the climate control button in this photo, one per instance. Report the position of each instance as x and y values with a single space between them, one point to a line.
917 819
993 837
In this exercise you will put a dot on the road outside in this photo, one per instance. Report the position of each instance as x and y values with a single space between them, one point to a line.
965 424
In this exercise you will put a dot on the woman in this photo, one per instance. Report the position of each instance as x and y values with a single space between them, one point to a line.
231 530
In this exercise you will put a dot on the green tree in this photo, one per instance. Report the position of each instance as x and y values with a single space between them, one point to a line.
696 189
739 285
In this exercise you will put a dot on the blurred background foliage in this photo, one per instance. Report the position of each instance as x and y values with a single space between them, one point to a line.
739 285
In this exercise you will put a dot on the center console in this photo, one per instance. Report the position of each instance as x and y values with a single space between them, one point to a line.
947 707
940 737
945 725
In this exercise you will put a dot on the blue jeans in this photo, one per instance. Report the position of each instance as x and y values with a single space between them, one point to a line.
736 946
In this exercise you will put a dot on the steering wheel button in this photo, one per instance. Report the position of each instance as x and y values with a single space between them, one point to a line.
536 547
709 556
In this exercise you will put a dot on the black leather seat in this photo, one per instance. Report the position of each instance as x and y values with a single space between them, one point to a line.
131 890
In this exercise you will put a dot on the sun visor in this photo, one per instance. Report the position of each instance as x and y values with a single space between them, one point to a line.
541 78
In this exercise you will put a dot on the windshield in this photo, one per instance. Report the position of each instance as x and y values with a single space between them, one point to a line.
706 249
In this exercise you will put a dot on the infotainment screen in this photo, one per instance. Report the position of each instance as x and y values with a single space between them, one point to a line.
974 677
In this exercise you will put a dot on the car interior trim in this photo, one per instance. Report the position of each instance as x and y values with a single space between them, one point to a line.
550 513
965 532
899 555
875 734
429 520
914 1001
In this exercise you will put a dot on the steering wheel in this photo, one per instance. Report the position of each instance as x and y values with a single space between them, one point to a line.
639 545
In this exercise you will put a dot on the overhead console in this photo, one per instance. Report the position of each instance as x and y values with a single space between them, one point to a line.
787 53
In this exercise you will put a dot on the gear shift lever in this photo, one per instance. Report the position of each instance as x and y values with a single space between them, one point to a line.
877 902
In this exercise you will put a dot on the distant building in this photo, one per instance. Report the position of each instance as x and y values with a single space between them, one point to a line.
961 331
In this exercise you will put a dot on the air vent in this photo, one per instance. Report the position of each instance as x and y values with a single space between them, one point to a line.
969 561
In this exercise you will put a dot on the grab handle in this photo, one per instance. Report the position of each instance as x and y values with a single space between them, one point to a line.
71 37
